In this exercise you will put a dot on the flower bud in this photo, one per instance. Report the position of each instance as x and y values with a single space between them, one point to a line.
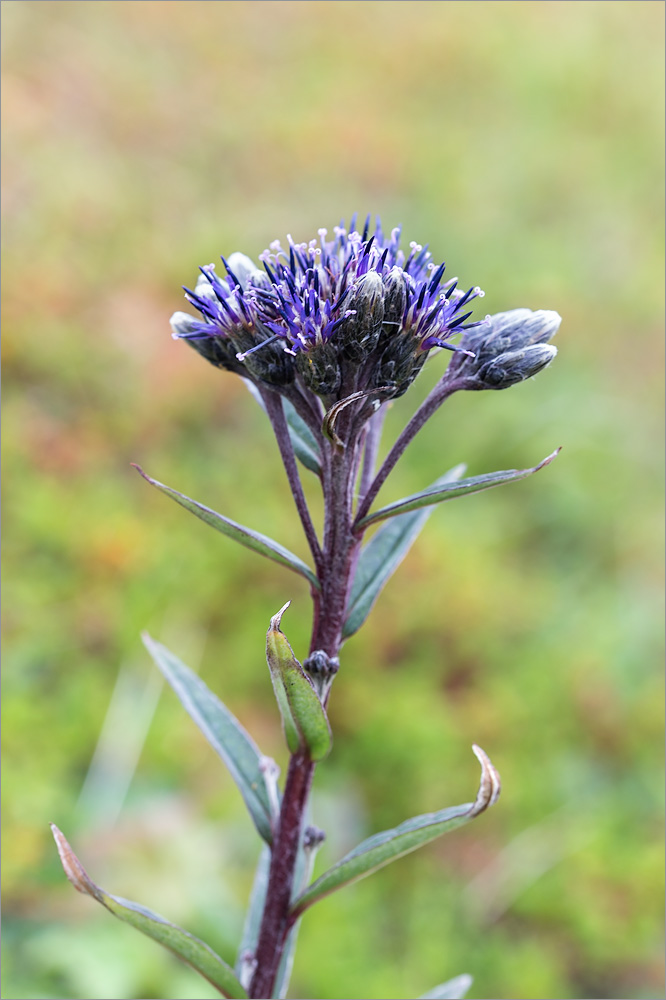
219 350
400 363
262 357
245 270
359 333
515 366
509 331
319 368
395 300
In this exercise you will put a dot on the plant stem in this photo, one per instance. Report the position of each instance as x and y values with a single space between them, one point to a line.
278 421
339 551
432 402
275 920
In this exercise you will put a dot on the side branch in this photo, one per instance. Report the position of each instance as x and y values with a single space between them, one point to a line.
430 404
278 421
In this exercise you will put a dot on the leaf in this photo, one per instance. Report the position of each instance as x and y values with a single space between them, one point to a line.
302 439
382 848
245 962
247 766
305 723
454 989
382 556
246 536
193 951
437 494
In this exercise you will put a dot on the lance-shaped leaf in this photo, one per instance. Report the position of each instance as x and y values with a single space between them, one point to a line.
304 720
437 494
193 951
382 848
454 989
245 960
382 556
251 771
246 536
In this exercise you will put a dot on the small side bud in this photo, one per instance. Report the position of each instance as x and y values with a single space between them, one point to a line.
515 366
509 331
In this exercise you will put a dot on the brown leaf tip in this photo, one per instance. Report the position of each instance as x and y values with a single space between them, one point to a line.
73 868
277 618
490 785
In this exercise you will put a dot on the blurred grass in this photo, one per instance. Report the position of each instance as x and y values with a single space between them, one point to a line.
524 141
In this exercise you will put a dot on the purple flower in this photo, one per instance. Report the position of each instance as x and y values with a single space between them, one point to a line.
341 315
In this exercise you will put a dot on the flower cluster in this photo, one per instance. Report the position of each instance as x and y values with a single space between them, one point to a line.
353 313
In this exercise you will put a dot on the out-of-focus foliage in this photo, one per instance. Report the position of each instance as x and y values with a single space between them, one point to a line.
524 142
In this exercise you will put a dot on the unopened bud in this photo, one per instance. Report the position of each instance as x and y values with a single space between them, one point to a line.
245 270
219 350
510 331
515 366
319 368
359 333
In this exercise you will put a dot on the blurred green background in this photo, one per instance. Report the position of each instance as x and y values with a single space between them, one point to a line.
524 142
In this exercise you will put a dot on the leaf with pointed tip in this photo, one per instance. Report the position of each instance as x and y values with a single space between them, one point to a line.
382 556
246 536
304 720
193 951
382 848
245 762
454 989
437 494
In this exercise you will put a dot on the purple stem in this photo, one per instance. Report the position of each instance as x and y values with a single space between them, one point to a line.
275 411
340 549
430 404
372 440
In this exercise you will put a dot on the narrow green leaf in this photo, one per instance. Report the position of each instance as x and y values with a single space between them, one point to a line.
437 494
246 536
193 951
302 439
248 946
248 767
454 989
306 725
382 556
382 848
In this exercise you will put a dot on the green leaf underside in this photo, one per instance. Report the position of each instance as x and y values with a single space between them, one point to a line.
381 849
304 719
382 556
248 944
302 439
245 536
187 947
222 730
437 494
454 989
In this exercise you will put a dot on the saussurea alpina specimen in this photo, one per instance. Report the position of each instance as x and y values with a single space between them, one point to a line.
325 335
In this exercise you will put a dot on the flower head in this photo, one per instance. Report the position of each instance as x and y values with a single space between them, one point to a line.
349 313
